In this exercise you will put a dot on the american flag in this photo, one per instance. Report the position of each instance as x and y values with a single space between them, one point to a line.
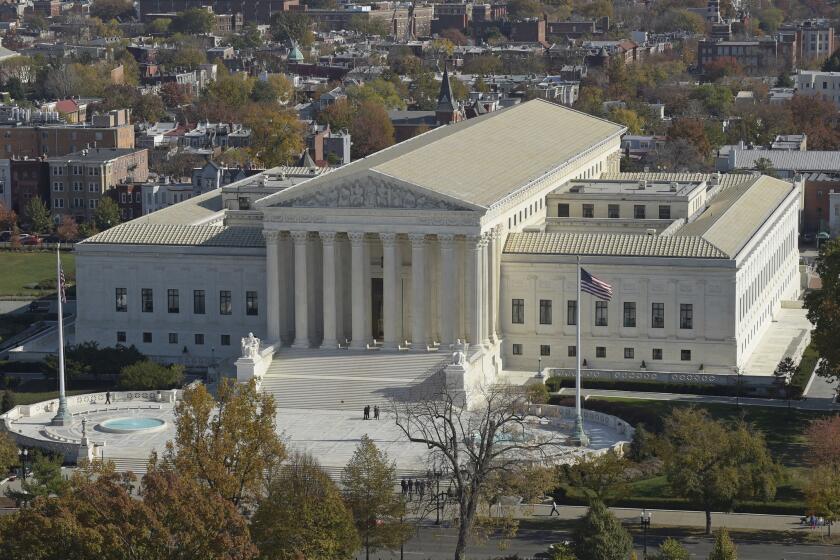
594 286
62 284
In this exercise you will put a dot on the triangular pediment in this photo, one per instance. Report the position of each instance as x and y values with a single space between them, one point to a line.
369 190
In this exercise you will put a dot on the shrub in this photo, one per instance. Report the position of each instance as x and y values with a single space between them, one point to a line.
148 375
87 358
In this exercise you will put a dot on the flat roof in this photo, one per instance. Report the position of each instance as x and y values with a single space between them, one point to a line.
629 188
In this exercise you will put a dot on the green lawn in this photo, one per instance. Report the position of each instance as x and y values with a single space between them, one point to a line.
28 268
45 389
783 430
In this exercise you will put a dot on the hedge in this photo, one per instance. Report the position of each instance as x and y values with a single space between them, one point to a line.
555 383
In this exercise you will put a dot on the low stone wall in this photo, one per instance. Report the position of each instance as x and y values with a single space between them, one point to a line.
568 413
699 378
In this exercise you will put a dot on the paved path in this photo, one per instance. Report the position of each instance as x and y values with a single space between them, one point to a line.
807 404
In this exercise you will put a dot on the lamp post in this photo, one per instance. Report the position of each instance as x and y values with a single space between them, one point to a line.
738 388
23 453
644 520
539 368
437 475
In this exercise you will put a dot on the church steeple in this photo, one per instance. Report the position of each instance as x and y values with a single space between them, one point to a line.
447 110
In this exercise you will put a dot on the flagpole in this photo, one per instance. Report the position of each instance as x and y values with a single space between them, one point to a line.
579 435
62 416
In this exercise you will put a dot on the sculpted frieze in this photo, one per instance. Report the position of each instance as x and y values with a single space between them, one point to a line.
369 194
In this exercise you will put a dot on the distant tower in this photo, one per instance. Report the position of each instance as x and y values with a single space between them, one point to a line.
446 111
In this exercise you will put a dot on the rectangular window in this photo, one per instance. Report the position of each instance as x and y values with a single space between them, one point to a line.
545 312
639 211
225 341
657 315
172 303
562 210
120 337
657 354
545 350
571 312
613 211
685 355
686 316
629 313
199 339
628 353
146 302
588 211
517 312
173 338
571 351
198 302
147 338
600 351
517 349
251 304
665 212
122 300
225 304
600 313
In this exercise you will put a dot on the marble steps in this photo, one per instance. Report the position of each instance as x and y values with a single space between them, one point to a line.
344 379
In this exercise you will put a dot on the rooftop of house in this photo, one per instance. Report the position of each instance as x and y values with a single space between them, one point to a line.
94 155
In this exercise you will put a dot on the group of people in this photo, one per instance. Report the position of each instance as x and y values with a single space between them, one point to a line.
813 521
366 412
410 486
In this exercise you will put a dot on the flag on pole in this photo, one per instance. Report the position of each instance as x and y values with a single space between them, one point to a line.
595 286
62 284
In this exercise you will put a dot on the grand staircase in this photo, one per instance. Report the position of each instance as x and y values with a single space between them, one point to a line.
347 379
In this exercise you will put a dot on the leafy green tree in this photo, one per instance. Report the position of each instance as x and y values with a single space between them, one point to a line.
713 465
45 480
112 9
824 311
8 452
822 493
379 91
643 444
634 122
7 404
784 80
148 375
832 63
159 26
600 536
560 551
303 515
38 215
602 478
276 135
368 482
107 214
671 549
229 443
724 548
195 21
765 167
292 26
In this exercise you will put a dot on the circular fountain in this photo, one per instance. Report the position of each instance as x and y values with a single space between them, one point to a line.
131 425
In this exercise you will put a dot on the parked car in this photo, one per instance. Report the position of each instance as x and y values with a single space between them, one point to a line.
30 240
823 236
53 238
5 236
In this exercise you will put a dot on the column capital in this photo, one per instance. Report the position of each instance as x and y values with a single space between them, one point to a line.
356 237
446 240
299 237
417 239
388 239
327 237
271 236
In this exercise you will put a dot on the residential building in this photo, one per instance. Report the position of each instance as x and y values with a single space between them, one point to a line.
156 196
79 180
817 83
129 199
251 11
766 54
814 38
30 179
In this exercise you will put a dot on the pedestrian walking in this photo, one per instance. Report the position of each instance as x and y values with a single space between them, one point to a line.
410 488
554 509
107 397
421 488
366 413
404 486
376 412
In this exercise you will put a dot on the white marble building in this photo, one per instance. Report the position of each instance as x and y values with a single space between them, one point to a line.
422 248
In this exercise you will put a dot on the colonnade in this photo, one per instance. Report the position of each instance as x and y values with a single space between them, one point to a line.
454 288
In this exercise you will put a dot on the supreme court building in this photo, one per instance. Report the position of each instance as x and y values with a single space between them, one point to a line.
463 238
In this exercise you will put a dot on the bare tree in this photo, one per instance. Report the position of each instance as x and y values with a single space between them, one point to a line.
476 444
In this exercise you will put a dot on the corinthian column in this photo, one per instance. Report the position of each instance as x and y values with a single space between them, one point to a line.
300 239
447 299
493 270
390 281
272 285
473 250
357 279
330 338
419 331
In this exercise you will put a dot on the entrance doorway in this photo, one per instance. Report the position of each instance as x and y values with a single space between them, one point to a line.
376 313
